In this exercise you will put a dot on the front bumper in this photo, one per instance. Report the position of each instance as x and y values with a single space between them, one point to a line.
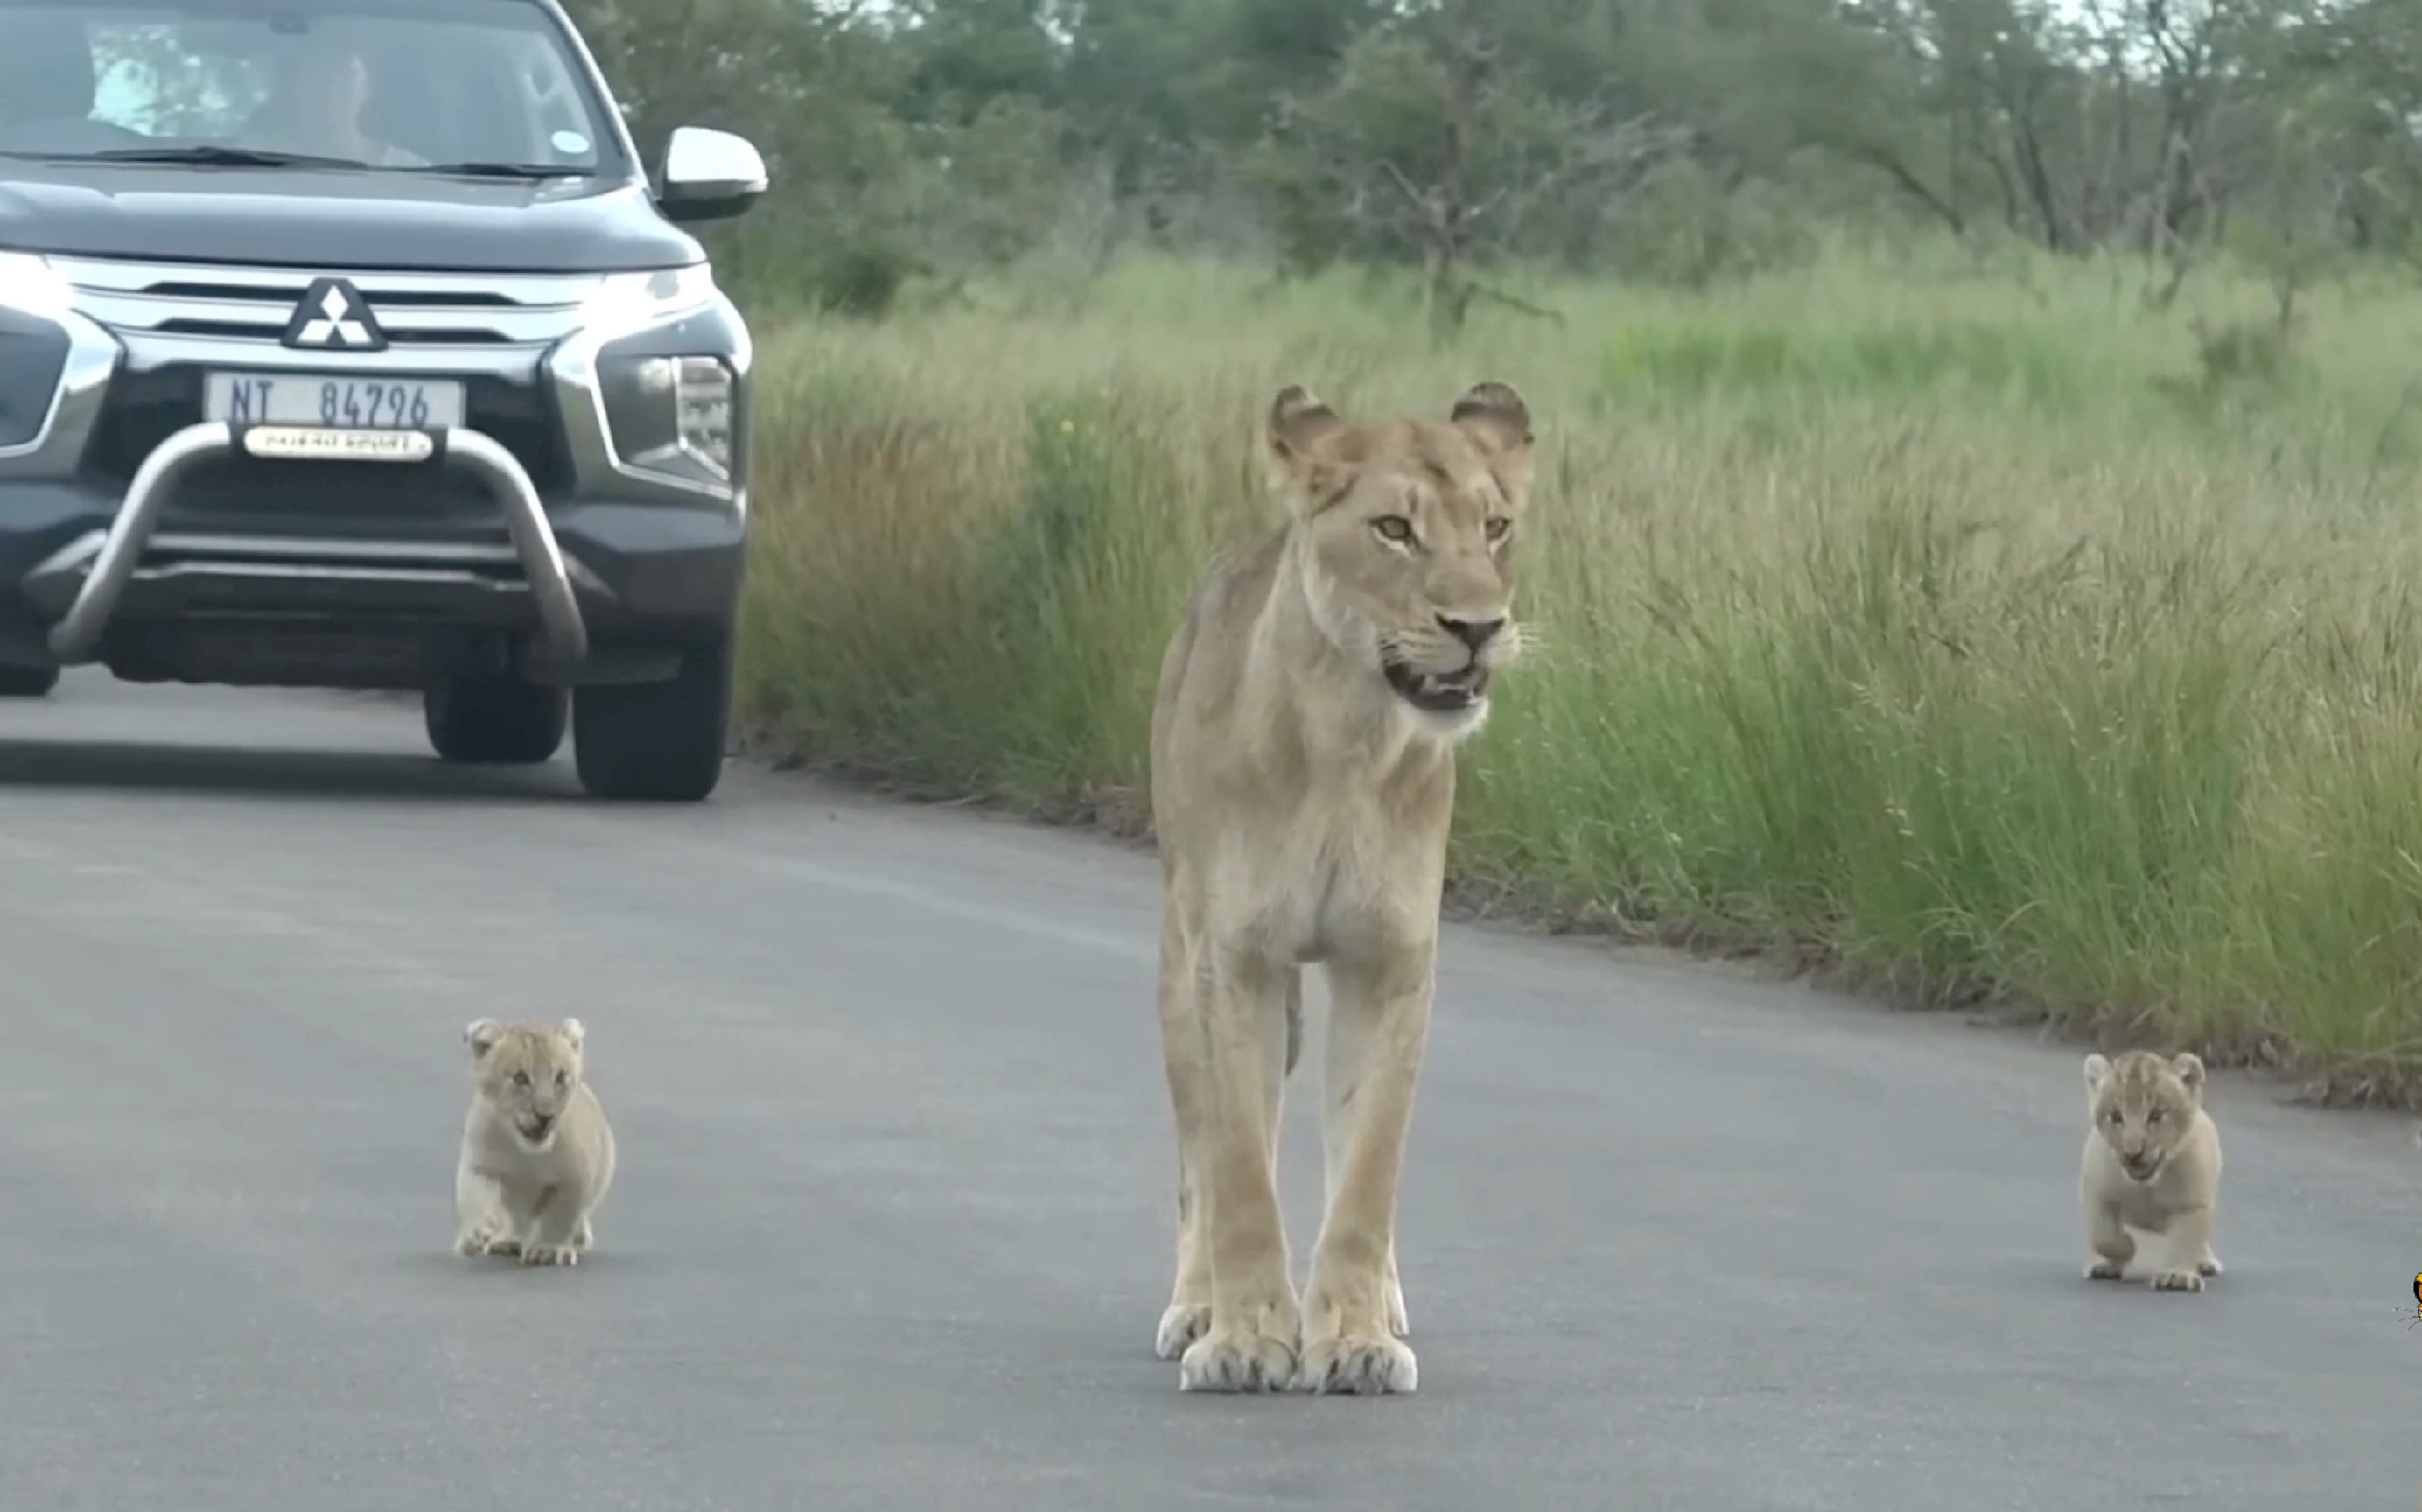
131 520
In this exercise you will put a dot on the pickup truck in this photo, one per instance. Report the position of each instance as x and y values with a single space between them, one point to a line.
346 345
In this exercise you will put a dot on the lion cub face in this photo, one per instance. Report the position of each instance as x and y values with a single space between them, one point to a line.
526 1073
1411 525
2144 1106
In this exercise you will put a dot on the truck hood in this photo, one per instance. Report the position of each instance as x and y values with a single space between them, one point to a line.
315 218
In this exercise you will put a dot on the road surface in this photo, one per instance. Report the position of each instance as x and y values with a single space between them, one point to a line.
893 1226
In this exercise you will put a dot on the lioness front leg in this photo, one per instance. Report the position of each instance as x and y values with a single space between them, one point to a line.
1379 1017
1255 1319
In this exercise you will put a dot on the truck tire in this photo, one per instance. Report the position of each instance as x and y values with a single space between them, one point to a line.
27 682
484 719
661 741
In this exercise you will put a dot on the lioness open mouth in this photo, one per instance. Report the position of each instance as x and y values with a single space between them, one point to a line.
1437 692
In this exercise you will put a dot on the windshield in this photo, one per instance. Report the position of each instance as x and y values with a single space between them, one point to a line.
396 85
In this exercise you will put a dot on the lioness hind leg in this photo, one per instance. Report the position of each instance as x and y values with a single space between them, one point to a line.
1187 1317
1378 1026
1255 1326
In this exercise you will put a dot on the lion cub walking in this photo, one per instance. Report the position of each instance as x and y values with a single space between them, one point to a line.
537 1152
2152 1164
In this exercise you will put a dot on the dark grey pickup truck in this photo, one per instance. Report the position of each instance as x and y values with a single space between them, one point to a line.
345 343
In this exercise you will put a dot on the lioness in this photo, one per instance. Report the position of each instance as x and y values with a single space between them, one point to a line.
1302 778
2151 1163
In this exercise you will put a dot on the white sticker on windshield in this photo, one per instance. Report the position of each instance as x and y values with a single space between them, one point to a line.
570 142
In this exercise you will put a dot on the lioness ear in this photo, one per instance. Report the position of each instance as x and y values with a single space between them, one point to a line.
481 1035
2189 1065
1298 420
2096 1067
1494 412
574 1032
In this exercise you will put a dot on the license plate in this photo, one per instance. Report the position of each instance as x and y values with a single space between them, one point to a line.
333 403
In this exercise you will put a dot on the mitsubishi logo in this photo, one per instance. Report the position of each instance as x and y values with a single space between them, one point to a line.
333 315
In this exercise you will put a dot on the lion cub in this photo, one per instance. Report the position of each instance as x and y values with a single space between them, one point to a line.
2151 1164
537 1152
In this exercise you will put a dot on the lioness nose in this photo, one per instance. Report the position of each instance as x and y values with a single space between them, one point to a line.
1472 632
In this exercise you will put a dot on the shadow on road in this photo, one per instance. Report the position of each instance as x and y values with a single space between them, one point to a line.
296 774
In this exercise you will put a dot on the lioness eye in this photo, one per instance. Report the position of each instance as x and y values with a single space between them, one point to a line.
1393 527
561 1077
521 1078
1498 526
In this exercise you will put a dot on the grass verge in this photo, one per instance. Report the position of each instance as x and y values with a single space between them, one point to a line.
1978 634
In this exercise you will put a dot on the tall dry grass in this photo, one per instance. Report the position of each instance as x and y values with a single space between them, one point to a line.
1973 630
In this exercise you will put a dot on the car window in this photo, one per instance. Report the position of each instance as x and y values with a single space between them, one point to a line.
385 83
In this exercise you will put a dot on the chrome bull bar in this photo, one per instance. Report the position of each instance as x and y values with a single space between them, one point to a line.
77 637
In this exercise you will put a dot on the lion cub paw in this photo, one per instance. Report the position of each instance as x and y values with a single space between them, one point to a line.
2102 1271
550 1255
1237 1360
2191 1281
479 1241
2209 1265
1180 1327
1349 1367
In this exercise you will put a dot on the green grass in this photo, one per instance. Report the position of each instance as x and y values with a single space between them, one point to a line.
1968 630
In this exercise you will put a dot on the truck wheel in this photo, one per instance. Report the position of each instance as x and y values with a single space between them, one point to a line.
486 718
659 741
27 682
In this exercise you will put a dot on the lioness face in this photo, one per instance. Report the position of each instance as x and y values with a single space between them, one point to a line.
1413 526
2143 1105
527 1073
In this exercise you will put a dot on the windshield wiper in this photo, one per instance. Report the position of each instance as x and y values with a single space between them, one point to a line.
506 170
207 156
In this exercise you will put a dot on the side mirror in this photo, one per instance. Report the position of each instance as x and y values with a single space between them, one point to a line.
710 175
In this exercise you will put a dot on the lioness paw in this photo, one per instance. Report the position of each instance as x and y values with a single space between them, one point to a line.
2191 1281
2102 1271
1349 1367
1237 1360
550 1255
1180 1327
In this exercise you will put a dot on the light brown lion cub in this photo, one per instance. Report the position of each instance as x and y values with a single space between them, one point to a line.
1302 780
537 1152
2151 1164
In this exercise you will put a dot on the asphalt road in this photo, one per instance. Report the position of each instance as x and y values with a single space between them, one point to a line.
893 1226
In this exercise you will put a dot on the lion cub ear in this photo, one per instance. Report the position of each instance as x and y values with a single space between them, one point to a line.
2098 1070
573 1030
481 1035
2189 1065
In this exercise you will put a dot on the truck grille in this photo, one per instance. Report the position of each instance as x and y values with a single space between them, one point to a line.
419 311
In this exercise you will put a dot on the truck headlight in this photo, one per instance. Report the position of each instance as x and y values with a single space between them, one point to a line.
34 345
669 415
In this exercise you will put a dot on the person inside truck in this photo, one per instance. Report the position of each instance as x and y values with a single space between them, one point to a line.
316 102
